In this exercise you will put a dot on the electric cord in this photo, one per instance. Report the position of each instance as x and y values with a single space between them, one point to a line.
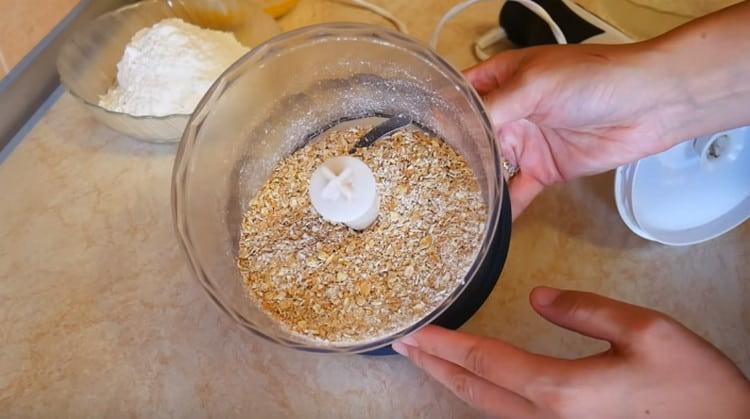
497 34
398 23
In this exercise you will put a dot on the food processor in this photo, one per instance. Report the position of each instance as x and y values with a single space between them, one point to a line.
284 94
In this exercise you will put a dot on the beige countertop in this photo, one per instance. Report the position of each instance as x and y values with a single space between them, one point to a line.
23 24
99 316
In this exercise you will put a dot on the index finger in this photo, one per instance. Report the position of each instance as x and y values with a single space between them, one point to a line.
496 361
523 189
488 75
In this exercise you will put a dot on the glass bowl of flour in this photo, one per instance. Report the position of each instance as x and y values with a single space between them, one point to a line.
142 69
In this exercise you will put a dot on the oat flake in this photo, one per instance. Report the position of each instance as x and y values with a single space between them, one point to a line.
326 282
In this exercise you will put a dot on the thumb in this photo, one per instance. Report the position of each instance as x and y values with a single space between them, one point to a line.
592 315
509 102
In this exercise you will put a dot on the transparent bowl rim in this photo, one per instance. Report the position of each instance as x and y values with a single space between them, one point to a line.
345 31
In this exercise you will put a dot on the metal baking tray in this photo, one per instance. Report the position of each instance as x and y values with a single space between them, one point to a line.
32 85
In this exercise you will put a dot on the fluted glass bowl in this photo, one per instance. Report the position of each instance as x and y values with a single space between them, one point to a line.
87 62
279 96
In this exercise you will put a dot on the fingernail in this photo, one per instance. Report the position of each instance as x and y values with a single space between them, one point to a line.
544 296
409 340
400 348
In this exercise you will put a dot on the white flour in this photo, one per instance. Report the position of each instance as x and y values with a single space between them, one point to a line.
167 68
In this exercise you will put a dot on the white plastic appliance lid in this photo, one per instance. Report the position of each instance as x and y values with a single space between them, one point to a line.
690 193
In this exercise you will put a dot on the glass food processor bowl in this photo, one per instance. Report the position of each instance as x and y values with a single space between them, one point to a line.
286 92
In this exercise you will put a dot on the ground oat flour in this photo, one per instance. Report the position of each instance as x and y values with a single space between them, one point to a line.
328 283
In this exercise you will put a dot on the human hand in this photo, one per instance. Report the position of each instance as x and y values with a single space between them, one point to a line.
655 367
561 112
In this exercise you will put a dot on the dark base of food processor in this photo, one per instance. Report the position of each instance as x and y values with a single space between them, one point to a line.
477 292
